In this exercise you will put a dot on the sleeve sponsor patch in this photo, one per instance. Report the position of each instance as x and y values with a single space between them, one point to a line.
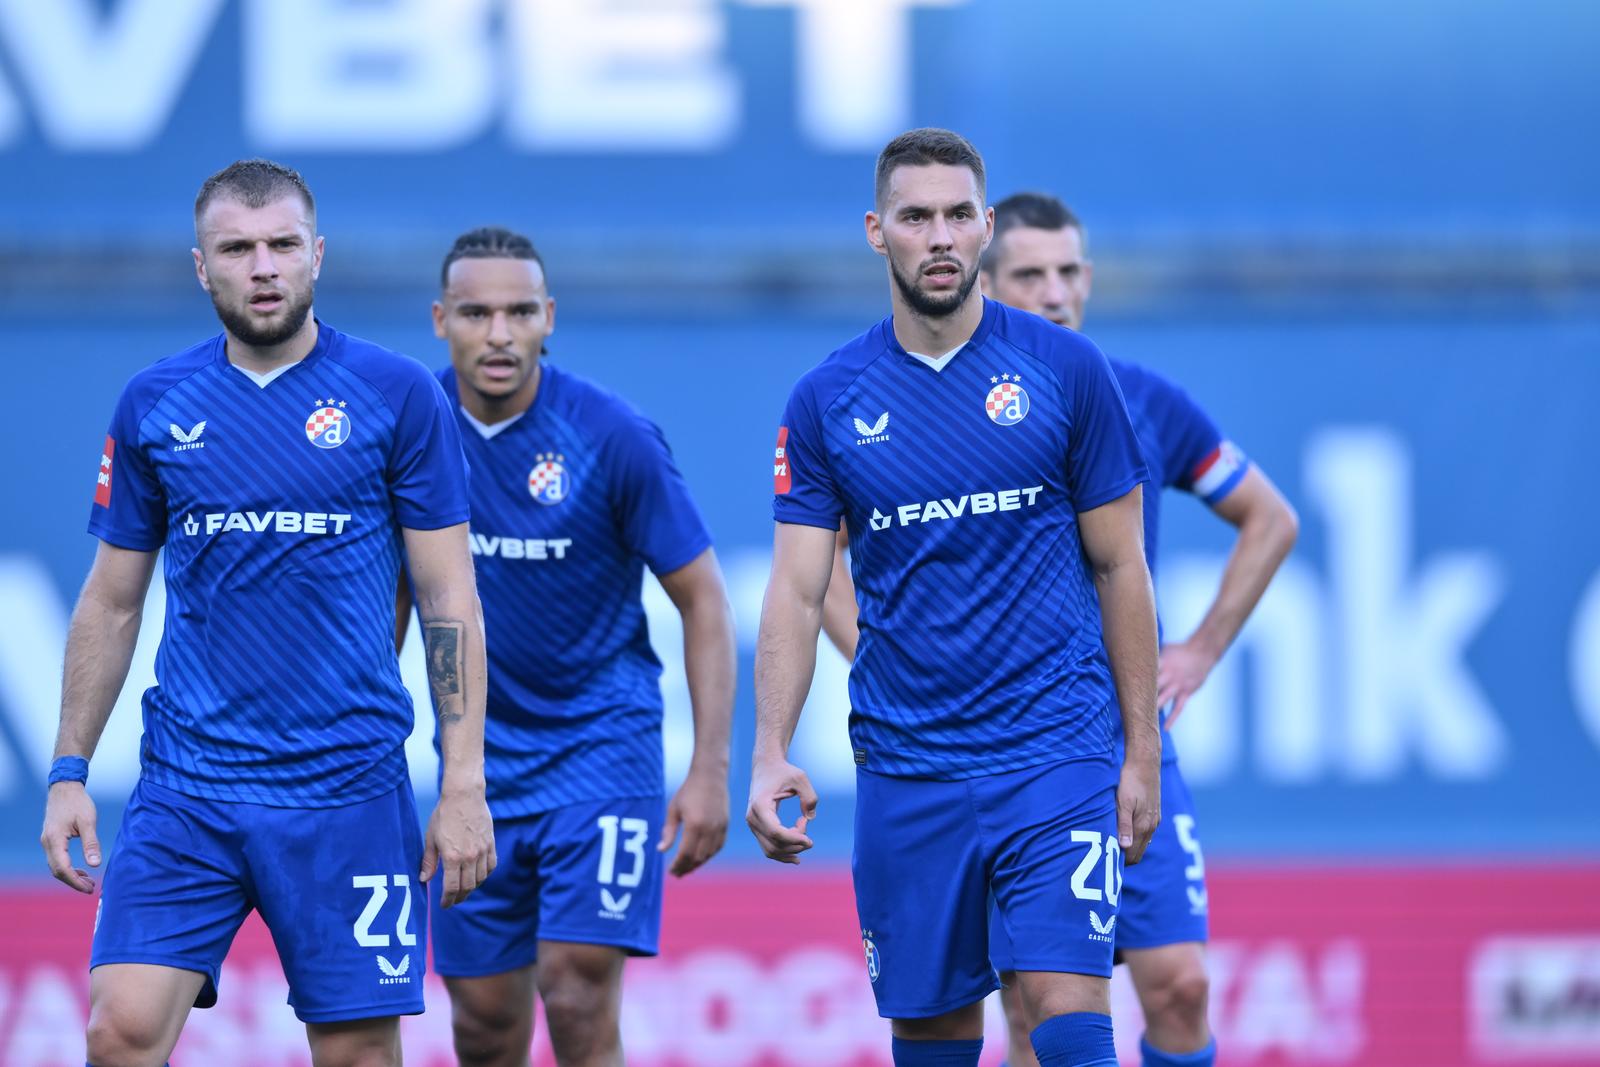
102 487
782 482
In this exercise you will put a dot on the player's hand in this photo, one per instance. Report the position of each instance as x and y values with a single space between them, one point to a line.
459 844
68 813
1184 667
1138 803
773 780
701 807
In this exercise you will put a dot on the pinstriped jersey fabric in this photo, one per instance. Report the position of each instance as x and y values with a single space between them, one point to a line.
980 647
569 504
279 511
1181 447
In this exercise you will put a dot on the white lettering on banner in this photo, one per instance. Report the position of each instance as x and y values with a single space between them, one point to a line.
634 76
1388 688
721 1006
1584 659
421 75
853 67
1288 1002
104 81
407 75
1536 997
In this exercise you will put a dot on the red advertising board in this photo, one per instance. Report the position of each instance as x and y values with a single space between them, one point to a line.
1377 966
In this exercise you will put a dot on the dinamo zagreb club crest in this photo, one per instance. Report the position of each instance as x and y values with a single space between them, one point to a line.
550 482
1007 402
329 425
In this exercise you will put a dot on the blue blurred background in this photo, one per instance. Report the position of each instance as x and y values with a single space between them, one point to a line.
1365 235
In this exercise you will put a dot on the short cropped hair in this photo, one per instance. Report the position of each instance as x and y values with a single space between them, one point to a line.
1034 211
925 146
489 242
254 183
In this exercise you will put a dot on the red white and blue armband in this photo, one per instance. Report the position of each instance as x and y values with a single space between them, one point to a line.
1215 476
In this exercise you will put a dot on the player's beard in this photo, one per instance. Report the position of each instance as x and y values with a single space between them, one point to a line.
239 323
932 307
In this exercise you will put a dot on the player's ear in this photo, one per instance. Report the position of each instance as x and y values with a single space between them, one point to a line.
988 226
438 320
316 257
875 233
200 269
1088 276
549 315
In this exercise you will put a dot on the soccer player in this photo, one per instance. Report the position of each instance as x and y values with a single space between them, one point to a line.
990 478
278 467
1038 262
574 493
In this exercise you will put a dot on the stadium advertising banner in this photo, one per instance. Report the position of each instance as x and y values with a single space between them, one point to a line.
397 110
1310 968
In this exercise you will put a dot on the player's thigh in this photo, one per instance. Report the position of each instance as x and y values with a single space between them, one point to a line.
495 1008
337 888
355 1043
140 1006
921 896
1051 838
600 876
495 931
1164 895
176 887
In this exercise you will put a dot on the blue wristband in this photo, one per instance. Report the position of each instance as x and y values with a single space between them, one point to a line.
69 769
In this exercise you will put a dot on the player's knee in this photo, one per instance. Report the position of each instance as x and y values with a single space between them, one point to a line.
1181 997
579 991
487 1029
116 1037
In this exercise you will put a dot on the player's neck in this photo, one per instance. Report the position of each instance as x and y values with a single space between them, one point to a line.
265 358
934 336
490 410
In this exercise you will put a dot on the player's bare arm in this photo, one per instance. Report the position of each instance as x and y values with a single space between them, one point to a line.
1113 542
839 607
460 838
1267 527
710 662
100 643
786 657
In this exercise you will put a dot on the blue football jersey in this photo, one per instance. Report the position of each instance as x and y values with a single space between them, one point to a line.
980 648
570 502
279 509
1183 450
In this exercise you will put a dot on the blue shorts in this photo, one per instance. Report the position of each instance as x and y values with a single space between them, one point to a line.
929 854
335 886
587 873
1163 895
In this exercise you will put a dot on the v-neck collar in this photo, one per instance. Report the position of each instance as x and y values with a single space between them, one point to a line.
991 312
243 377
496 430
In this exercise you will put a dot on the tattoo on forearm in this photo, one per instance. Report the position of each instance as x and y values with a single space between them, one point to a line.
443 641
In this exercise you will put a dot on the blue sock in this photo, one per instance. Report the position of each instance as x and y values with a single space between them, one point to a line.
936 1053
1154 1057
1077 1039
